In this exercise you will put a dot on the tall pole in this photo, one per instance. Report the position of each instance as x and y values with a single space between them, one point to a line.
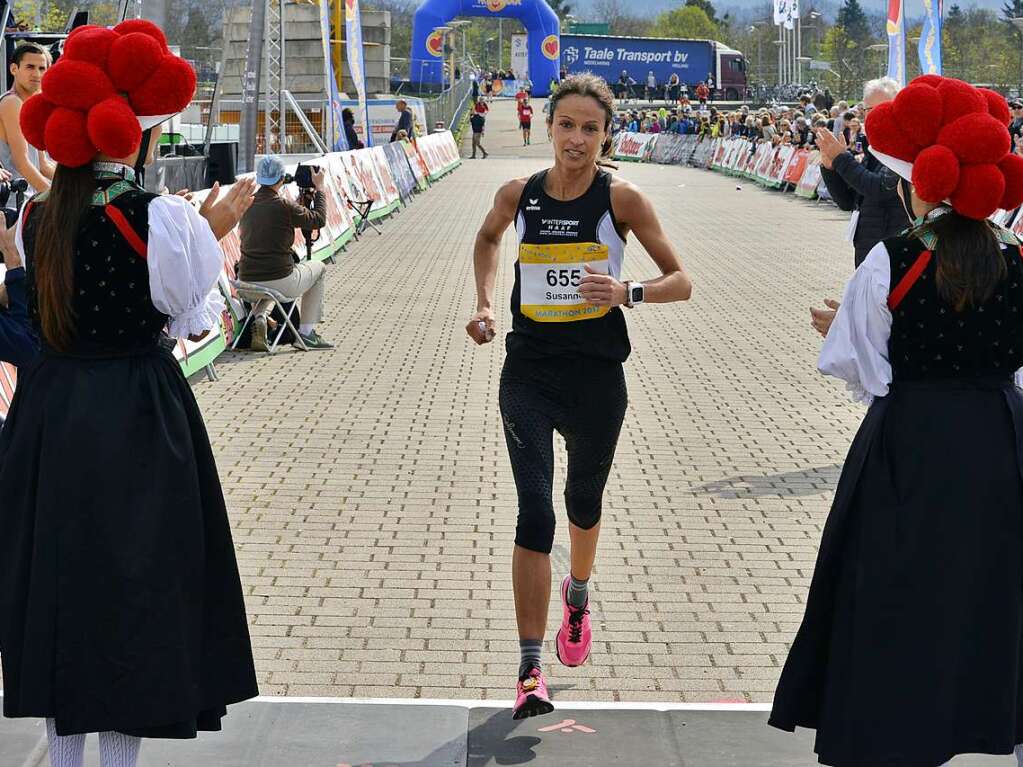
500 43
799 48
781 53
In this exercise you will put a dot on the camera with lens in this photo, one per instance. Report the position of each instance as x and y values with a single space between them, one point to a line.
303 179
304 176
19 187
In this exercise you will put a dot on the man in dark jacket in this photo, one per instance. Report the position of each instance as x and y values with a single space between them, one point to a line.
406 121
868 189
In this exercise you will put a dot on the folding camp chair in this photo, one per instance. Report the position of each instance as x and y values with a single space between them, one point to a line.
362 208
253 293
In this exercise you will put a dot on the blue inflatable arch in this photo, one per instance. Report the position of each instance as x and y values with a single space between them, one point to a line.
542 28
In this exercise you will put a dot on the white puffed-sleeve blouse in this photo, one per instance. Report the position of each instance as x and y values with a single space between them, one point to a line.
184 263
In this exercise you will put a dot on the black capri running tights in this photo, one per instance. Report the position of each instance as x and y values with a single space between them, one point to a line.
584 399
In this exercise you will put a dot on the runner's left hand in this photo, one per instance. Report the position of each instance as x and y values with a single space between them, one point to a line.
601 289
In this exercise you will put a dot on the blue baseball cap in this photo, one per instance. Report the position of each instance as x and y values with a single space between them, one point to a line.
269 170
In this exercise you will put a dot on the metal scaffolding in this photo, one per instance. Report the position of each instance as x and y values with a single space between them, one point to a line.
274 103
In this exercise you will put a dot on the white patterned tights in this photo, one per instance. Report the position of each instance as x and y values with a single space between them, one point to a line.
115 749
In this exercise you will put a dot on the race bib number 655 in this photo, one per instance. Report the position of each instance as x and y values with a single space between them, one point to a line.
549 280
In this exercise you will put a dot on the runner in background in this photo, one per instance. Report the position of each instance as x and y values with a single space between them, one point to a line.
525 121
563 371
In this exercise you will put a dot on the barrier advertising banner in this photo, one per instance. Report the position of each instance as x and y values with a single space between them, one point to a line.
360 167
671 149
635 147
384 174
717 157
797 166
702 156
764 162
779 165
811 178
415 161
397 162
8 380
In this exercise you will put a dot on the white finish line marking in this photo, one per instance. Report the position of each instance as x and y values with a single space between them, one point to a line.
581 705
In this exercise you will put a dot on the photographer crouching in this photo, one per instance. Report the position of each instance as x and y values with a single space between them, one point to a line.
267 240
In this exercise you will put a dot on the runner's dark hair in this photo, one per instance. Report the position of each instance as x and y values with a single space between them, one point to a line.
586 84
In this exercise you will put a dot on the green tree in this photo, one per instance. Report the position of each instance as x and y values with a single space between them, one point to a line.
707 7
854 21
560 7
685 22
952 42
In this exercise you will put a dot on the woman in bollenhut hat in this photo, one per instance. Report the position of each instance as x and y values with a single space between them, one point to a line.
121 608
911 646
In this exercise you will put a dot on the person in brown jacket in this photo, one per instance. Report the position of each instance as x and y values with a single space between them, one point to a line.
267 240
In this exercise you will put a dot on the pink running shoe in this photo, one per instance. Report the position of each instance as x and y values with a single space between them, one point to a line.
532 698
574 636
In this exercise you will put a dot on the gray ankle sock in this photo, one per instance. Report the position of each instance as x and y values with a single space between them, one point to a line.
529 655
577 592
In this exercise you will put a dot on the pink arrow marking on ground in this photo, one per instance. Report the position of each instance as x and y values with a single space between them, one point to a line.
567 726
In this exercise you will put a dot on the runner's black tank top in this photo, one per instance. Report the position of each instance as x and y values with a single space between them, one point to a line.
556 238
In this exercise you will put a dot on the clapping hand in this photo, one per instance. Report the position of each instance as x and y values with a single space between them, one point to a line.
830 146
821 319
224 213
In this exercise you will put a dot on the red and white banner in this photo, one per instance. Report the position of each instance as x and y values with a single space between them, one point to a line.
797 166
635 146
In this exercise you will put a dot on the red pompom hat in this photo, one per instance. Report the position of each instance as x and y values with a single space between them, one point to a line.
951 141
108 87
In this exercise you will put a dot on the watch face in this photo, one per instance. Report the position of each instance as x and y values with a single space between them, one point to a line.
637 295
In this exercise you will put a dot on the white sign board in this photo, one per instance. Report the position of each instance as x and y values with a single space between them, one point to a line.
520 56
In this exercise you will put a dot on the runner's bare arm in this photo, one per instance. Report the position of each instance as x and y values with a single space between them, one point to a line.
635 212
10 110
488 240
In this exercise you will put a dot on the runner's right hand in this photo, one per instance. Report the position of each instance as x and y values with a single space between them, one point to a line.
476 333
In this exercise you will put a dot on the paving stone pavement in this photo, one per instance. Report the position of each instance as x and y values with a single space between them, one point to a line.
371 496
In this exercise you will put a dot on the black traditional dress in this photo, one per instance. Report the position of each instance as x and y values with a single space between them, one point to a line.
120 602
911 648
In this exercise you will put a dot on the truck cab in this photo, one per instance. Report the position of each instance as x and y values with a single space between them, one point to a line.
731 82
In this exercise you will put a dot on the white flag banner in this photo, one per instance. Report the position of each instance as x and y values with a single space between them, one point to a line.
791 13
779 11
